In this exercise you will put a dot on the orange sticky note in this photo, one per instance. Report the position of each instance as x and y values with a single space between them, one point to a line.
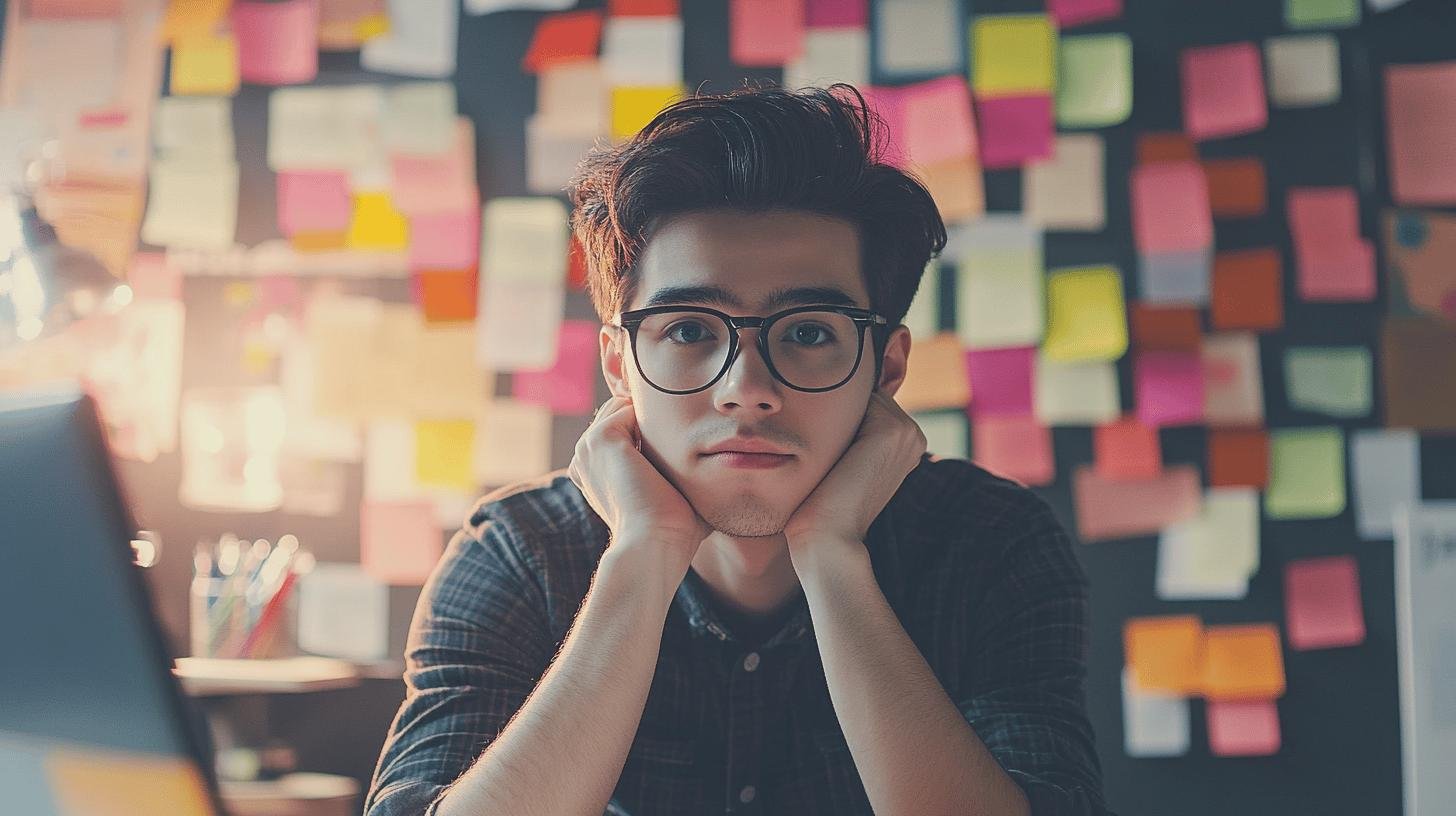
1238 457
277 41
1322 607
1162 146
1164 652
1166 328
564 37
935 375
1016 447
1127 449
192 18
400 541
1236 187
765 33
1242 662
1223 90
1124 508
1248 290
1420 114
445 295
206 65
1243 727
113 783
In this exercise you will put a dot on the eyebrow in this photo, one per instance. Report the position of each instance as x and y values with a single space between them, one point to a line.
779 298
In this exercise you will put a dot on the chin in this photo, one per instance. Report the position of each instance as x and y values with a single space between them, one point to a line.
744 515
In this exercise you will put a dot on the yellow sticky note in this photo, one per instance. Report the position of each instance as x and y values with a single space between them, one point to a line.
109 783
206 65
192 18
376 224
372 26
443 453
1013 55
1086 319
634 106
1306 473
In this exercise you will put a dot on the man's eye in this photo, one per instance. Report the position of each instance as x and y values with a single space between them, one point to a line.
686 332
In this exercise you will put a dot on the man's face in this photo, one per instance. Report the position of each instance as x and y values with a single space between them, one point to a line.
750 256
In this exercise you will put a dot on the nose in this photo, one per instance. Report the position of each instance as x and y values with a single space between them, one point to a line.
748 384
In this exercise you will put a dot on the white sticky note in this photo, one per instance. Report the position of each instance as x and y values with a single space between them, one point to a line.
343 612
1154 724
642 51
194 126
923 316
325 128
1213 555
192 203
517 323
1333 380
1303 70
1233 388
512 441
389 461
919 37
420 41
1068 190
1000 295
947 433
524 238
419 117
831 55
1386 465
553 150
575 96
1076 393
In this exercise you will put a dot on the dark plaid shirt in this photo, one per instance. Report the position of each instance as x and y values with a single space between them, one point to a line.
978 569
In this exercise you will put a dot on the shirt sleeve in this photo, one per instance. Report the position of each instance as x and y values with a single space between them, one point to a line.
479 641
1028 661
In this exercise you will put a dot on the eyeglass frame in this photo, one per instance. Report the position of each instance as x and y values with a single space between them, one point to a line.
632 319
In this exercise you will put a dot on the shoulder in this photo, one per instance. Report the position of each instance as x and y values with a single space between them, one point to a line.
533 510
957 495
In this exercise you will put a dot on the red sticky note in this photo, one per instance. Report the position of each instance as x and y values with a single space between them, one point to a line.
564 37
936 119
1223 91
1015 130
445 240
642 8
1001 381
1323 214
1122 508
836 13
313 201
1169 387
1127 449
277 41
1016 447
1332 261
1243 727
765 33
565 387
1070 13
1170 209
1322 607
1420 113
399 541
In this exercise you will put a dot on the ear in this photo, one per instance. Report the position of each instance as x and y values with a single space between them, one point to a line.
613 341
897 355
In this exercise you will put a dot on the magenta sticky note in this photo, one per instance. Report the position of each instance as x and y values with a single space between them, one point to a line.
1070 13
1243 727
937 121
1016 447
836 13
1223 91
1169 387
399 541
1322 608
567 386
889 105
445 240
1170 207
277 41
1420 116
1015 130
1001 381
313 201
765 33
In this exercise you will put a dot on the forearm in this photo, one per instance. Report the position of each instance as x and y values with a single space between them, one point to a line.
914 751
564 750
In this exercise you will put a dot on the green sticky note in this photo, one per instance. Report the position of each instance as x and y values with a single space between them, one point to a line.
1321 13
1334 380
1094 80
1306 473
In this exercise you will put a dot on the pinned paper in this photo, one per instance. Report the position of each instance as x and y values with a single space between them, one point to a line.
376 224
1085 315
765 33
567 386
400 542
1248 290
831 55
1170 209
1304 70
1001 381
947 435
1233 386
277 41
1169 387
1242 662
1418 373
1164 654
513 442
115 783
1166 328
1223 91
1335 381
1124 508
633 107
1013 55
999 290
1016 447
1154 724
1069 13
1420 115
1126 449
1213 555
564 37
1306 473
1236 187
1421 258
1238 457
192 204
1385 465
1081 393
919 39
1321 13
1014 130
1067 191
643 51
313 201
935 375
205 64
343 612
1094 80
1243 727
420 42
1322 608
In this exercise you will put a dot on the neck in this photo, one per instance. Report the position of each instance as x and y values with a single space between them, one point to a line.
752 576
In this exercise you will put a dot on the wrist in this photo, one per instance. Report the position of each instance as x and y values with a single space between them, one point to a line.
644 566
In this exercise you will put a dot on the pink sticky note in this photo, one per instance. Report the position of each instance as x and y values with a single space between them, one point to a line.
1169 387
765 33
445 240
1323 215
1017 447
937 121
1243 727
1001 381
151 276
889 104
1336 272
399 542
1122 508
1015 130
1070 13
836 13
277 41
1322 603
1420 113
437 183
313 201
567 386
1170 207
1223 91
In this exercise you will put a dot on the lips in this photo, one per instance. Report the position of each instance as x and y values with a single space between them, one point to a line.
739 459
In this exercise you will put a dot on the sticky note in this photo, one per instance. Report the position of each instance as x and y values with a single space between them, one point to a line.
947 434
525 238
831 55
1001 381
1154 724
517 322
1169 387
182 20
1081 393
1223 91
1233 385
1085 314
642 8
420 42
1242 727
116 783
1333 262
1124 508
918 39
376 224
1161 146
1238 457
1094 80
564 37
1420 119
1014 130
443 182
1016 447
567 386
442 452
935 375
1013 55
445 295
553 151
765 33
343 612
633 107
956 186
449 240
1173 278
277 41
420 117
324 128
152 276
1069 13
1170 207
1420 249
400 542
937 120
1306 473
999 284
1237 187
1242 662
1323 214
1248 290
642 51
513 442
205 64
1418 373
1332 380
1304 70
575 96
1322 608
1164 653
1385 465
1212 555
194 126
1321 13
192 204
836 13
1166 328
1068 190
313 201
1126 448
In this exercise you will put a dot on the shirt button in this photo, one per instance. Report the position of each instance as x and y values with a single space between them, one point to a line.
746 795
750 663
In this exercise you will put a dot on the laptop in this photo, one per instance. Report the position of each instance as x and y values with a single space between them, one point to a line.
92 720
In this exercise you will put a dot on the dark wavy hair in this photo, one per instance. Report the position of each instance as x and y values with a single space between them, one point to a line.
757 148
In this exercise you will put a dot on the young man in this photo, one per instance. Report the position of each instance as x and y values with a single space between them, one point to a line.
767 597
